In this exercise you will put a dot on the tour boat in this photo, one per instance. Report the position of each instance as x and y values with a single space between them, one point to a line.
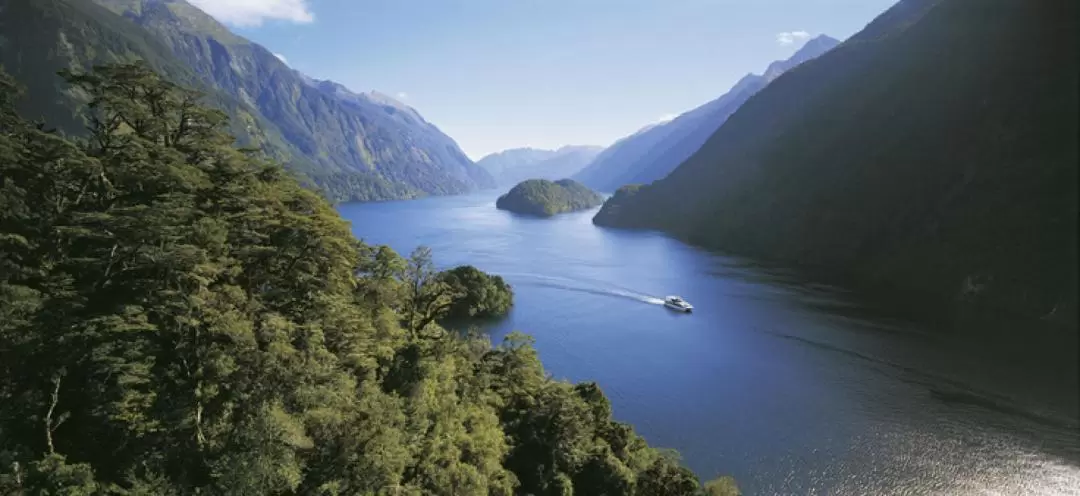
677 303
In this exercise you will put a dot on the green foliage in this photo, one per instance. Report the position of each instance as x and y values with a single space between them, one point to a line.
546 198
908 158
613 207
52 476
179 317
722 486
482 295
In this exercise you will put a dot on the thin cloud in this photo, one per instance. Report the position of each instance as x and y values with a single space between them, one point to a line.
403 96
250 13
666 118
282 58
789 37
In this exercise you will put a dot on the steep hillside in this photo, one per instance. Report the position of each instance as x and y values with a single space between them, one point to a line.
654 152
606 171
39 38
363 148
342 135
515 165
934 152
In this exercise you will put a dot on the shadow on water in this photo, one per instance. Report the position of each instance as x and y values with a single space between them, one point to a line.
471 325
851 395
950 391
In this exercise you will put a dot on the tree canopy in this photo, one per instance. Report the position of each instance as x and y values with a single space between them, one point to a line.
178 316
481 295
546 198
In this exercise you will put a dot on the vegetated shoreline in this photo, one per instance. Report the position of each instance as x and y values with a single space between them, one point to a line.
417 197
884 299
207 322
545 198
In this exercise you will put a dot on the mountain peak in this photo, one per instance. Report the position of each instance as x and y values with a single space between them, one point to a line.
813 48
389 101
821 41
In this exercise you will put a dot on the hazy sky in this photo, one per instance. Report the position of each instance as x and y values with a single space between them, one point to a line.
497 74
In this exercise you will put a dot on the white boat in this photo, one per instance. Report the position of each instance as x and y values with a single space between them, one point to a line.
677 303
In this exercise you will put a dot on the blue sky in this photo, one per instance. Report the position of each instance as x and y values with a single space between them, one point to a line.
497 74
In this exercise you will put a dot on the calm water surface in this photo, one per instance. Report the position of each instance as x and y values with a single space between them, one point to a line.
771 379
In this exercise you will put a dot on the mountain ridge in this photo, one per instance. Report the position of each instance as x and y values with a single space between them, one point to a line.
655 150
517 164
367 148
909 157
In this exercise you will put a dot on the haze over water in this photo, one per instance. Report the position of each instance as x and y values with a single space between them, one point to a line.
771 379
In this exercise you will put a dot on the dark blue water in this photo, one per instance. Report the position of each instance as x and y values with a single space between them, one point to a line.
771 379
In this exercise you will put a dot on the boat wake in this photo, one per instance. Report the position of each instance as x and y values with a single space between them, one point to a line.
582 286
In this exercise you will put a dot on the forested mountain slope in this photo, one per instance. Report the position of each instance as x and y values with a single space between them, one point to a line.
180 317
42 37
653 153
355 146
934 152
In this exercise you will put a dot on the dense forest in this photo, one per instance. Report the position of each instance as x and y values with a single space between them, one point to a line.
932 155
179 316
545 198
352 146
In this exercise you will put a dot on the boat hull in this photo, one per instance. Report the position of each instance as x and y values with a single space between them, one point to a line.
678 308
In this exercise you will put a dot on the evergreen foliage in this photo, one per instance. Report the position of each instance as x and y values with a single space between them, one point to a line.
482 295
178 316
546 198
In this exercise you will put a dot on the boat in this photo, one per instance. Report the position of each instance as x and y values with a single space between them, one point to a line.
677 303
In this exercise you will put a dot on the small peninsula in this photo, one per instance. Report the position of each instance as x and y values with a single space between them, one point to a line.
546 198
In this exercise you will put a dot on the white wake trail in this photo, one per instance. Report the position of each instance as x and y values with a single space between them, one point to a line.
599 288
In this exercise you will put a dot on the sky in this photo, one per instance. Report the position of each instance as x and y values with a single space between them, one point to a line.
499 74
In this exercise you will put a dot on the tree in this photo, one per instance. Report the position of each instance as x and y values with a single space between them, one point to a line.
179 316
429 295
479 295
722 486
666 478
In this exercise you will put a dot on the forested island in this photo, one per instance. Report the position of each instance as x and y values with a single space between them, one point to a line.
180 316
546 198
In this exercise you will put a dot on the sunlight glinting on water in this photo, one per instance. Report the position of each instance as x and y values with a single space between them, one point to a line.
792 387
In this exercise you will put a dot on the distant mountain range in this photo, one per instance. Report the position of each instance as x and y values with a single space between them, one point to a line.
354 146
653 152
934 153
517 164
